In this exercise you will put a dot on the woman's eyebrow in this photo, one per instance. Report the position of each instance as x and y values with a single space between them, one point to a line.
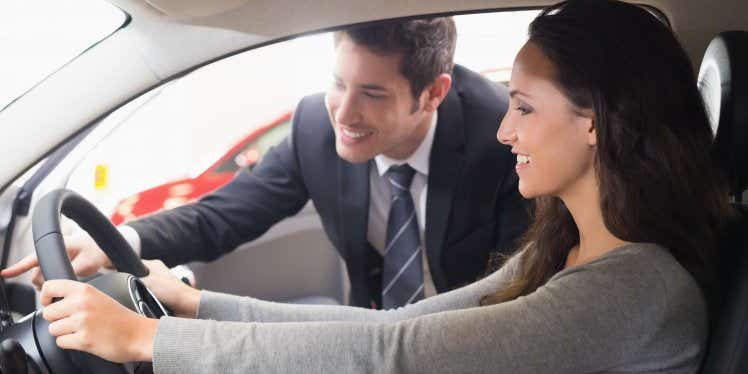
513 93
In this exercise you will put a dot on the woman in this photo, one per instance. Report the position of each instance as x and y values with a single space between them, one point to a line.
612 143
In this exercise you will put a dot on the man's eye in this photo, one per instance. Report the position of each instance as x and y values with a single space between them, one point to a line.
373 96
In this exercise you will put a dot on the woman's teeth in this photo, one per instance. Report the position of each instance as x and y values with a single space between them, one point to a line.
522 159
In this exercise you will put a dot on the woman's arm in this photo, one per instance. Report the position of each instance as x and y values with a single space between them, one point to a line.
86 319
225 307
590 320
624 313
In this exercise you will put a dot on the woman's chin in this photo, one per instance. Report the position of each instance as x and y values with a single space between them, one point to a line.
527 193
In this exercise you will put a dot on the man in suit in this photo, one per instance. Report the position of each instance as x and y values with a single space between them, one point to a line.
400 159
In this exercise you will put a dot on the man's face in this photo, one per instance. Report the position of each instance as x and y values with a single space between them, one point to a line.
371 107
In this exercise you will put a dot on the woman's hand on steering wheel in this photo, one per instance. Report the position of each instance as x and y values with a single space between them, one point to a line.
86 319
182 299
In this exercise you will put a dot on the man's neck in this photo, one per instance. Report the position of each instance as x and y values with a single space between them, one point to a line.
407 148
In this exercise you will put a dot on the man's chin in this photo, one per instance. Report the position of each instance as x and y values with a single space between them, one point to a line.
353 156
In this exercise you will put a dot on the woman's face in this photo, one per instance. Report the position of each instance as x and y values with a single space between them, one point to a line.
553 141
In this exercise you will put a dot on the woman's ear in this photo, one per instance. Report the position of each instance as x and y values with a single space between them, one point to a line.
591 132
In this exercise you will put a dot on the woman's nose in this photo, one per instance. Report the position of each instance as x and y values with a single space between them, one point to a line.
507 133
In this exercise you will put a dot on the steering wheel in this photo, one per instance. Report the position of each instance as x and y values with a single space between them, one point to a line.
50 248
44 356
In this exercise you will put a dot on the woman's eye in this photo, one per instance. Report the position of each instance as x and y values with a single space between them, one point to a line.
523 110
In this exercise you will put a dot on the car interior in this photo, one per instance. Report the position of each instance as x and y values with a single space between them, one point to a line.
49 131
723 82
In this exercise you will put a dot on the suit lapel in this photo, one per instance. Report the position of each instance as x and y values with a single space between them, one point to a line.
446 162
353 180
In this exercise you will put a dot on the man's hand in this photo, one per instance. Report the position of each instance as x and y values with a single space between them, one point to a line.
182 299
85 255
88 320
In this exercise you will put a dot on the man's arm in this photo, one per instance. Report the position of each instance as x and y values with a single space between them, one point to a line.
238 212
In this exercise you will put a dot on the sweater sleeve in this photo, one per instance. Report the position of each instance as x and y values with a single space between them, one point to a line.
586 321
224 307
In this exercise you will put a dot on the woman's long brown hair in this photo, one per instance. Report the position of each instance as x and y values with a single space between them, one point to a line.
657 180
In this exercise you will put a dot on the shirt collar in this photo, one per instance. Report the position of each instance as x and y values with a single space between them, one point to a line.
419 160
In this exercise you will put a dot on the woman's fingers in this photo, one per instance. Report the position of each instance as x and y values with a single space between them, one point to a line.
64 326
64 315
58 310
73 341
60 288
182 299
156 266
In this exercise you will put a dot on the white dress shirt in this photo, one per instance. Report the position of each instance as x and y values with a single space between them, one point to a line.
379 199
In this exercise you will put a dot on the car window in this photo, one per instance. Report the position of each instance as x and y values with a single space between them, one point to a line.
488 42
198 131
250 154
39 37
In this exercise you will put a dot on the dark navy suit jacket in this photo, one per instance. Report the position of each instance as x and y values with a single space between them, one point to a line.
473 206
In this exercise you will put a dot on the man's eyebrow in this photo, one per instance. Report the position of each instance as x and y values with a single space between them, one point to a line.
365 86
374 87
513 93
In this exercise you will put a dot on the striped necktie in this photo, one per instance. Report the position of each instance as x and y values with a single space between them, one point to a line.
402 277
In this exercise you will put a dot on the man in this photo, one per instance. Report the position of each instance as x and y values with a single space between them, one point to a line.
399 158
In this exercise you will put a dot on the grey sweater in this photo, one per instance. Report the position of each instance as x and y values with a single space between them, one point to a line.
632 310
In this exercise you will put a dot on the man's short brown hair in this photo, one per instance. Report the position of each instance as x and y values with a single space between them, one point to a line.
427 46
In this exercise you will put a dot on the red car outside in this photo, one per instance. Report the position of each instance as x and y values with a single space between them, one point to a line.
245 153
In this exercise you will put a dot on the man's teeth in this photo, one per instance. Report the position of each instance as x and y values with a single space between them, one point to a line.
522 159
353 134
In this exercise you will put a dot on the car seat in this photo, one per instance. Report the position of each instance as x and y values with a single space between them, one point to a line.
723 82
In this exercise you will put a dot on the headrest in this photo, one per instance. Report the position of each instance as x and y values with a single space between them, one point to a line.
723 82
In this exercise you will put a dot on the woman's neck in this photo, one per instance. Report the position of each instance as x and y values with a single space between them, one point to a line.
594 237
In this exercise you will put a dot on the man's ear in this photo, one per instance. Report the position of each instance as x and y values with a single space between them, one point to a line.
437 91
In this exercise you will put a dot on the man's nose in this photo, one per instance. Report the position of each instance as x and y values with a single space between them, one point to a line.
347 112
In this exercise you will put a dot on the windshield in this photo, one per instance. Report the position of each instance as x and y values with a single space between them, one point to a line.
39 37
